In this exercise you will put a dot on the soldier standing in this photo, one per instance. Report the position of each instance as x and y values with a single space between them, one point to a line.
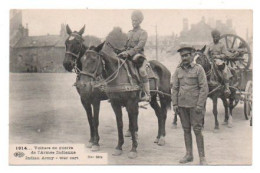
189 94
137 38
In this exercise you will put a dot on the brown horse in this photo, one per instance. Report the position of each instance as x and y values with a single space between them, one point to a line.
90 98
216 88
124 92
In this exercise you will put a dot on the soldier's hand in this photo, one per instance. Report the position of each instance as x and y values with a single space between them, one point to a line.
176 109
123 54
198 110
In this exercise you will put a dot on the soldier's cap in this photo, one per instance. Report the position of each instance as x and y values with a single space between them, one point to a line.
215 32
137 14
185 49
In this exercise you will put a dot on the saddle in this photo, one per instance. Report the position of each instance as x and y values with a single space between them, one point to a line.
133 72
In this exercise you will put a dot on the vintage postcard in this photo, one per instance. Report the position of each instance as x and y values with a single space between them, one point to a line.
130 87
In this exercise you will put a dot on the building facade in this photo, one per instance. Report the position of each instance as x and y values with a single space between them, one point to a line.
43 53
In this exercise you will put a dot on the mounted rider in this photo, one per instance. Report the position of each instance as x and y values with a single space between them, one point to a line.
137 38
218 53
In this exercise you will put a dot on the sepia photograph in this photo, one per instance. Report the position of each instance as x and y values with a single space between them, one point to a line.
130 87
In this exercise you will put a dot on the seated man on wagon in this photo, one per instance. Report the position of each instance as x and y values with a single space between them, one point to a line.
136 41
218 53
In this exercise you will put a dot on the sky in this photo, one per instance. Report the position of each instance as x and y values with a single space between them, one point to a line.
101 22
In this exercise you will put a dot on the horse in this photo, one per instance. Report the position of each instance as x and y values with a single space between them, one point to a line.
216 87
90 98
124 91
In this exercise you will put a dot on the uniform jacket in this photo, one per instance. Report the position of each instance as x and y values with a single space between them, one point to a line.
190 88
218 49
136 41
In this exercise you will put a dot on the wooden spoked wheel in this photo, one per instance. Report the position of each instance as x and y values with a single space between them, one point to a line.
238 47
248 100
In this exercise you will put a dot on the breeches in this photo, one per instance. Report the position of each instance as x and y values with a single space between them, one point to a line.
189 118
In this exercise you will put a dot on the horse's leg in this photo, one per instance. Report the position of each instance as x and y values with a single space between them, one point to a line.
163 102
154 104
225 104
228 118
215 112
88 109
174 123
118 112
227 113
132 109
128 133
96 108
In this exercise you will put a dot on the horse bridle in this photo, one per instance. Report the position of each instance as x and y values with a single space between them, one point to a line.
74 54
208 73
93 75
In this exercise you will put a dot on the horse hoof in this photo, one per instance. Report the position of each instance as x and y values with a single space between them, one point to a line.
128 133
132 155
161 141
89 145
215 130
117 152
225 123
174 126
230 125
156 140
95 148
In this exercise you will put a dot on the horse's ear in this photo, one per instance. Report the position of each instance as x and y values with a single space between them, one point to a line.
68 29
203 49
99 47
82 30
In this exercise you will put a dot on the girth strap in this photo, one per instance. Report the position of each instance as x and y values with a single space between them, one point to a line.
121 88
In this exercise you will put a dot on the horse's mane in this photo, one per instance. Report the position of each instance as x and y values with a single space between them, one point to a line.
117 38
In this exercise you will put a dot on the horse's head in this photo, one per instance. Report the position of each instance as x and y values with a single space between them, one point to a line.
202 59
92 65
74 46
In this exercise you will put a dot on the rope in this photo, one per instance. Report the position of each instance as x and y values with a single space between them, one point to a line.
115 74
162 93
215 89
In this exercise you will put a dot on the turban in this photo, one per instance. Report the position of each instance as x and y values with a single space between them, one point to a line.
137 14
215 32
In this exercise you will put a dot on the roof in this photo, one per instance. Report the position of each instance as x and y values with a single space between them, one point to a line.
38 41
52 41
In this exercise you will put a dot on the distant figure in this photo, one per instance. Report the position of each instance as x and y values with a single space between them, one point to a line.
137 38
189 94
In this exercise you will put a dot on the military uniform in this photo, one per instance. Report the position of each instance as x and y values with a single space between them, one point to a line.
136 41
216 51
189 93
137 38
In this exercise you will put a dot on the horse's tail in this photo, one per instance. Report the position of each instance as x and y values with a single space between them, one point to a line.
164 81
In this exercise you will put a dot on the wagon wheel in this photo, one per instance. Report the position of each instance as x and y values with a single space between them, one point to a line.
236 44
248 100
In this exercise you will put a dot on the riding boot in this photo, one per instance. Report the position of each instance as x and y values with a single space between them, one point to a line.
227 90
146 89
188 144
200 145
